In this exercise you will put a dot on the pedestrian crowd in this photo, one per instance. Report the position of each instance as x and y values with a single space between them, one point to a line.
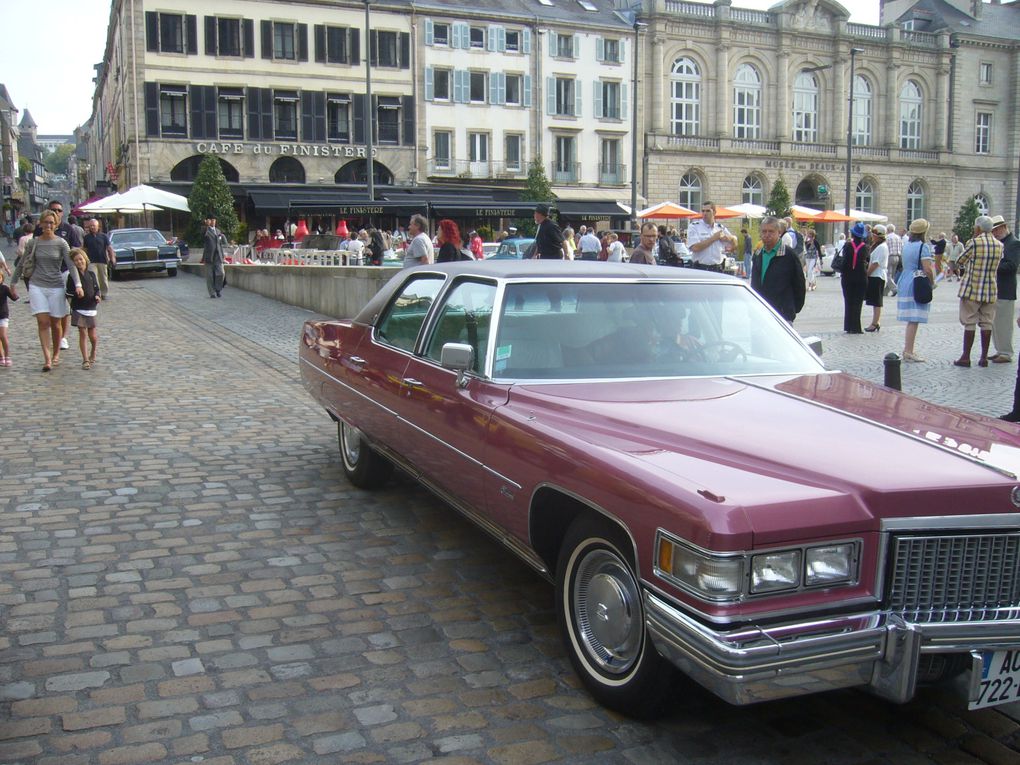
64 269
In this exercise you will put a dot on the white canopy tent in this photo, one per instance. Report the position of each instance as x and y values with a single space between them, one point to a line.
749 210
151 198
865 217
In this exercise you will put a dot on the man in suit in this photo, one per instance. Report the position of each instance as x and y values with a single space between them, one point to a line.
776 273
212 257
549 238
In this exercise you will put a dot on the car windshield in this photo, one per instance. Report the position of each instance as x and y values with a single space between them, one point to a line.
142 236
624 330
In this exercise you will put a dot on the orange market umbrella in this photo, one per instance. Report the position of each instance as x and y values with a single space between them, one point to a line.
723 213
826 216
667 210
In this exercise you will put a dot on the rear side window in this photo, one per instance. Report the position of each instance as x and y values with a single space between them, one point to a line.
404 316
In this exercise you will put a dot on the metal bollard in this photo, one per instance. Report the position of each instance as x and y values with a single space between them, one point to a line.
892 371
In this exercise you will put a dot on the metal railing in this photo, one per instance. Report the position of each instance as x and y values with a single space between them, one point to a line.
565 172
465 168
613 175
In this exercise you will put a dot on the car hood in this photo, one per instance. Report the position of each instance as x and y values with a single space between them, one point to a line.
779 446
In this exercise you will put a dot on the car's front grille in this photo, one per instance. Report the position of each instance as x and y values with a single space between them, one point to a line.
141 254
966 577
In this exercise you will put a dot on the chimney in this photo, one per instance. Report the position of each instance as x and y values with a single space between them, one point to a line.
975 8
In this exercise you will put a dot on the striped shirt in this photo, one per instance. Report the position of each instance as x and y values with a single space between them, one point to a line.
983 253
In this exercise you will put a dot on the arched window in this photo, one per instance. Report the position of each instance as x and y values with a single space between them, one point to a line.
805 108
355 172
747 103
686 97
982 204
690 191
753 192
915 201
862 111
187 169
910 116
864 198
286 170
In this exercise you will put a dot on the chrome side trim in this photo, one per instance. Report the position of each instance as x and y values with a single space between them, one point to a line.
890 429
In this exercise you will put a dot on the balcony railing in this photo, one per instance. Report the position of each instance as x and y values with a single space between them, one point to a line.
748 16
465 168
873 152
693 141
926 39
741 144
867 31
919 154
690 9
613 175
814 148
565 172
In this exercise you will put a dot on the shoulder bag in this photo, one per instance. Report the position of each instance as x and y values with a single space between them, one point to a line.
28 260
838 260
922 284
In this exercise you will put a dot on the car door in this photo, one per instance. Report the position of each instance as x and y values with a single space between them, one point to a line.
376 368
445 423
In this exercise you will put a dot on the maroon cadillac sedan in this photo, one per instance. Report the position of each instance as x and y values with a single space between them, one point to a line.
704 494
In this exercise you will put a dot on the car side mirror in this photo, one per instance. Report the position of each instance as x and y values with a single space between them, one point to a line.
460 357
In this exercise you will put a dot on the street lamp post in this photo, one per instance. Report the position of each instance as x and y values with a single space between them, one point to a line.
850 138
369 161
634 133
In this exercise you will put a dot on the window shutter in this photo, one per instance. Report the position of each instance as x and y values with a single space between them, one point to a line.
191 21
355 47
620 47
302 42
254 124
501 39
461 35
550 95
209 112
405 50
494 88
552 43
526 41
267 39
196 103
152 32
319 32
493 39
600 49
266 114
307 117
430 32
527 90
249 38
358 104
430 83
151 108
373 48
598 99
576 45
458 96
407 107
210 35
373 122
577 98
623 100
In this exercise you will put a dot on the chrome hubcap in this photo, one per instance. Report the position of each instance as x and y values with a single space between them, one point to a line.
607 611
351 443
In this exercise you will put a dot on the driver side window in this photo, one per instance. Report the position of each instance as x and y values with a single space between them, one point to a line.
466 317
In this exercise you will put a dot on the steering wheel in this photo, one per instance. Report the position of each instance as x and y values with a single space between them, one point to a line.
722 350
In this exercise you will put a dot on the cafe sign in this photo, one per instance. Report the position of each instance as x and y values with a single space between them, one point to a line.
283 149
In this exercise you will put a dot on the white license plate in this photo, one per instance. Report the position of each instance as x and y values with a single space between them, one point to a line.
1000 679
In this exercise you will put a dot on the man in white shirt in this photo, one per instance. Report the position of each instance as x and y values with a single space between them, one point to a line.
707 240
589 245
420 251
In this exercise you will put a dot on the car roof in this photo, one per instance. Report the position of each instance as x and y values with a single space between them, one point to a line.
538 269
126 230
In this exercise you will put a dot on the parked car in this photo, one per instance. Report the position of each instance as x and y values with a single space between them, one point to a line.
512 249
143 249
703 493
489 249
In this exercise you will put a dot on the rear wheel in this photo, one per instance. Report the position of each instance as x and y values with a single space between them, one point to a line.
599 608
363 466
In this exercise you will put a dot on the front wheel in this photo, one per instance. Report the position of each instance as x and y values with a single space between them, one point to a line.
171 272
599 609
363 466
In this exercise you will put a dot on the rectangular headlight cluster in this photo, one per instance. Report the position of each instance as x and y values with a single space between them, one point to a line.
715 577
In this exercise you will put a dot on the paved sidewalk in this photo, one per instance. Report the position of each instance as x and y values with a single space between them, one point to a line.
186 576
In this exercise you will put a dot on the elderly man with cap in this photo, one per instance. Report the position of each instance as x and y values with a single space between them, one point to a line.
978 289
1005 283
549 244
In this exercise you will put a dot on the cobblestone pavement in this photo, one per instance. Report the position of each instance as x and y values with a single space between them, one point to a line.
185 576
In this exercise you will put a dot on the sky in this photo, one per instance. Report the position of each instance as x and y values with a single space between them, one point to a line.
52 76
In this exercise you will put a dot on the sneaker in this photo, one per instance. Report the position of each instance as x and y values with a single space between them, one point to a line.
64 345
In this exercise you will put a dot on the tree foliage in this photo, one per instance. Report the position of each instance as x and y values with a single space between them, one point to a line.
964 225
210 197
536 189
779 199
56 160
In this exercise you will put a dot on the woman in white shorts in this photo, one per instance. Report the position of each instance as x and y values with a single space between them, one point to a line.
43 258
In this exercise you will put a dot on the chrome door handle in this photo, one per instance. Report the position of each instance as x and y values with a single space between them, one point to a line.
412 383
358 360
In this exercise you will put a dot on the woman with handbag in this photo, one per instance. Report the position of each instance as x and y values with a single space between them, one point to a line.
855 278
41 266
914 286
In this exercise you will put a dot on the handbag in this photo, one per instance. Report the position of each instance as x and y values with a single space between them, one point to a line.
922 284
28 260
838 261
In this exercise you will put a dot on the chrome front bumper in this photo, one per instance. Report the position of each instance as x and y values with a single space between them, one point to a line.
876 650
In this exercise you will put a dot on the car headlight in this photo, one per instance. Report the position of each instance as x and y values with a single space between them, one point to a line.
713 578
775 571
833 564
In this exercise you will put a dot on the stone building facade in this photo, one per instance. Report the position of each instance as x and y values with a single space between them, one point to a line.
739 98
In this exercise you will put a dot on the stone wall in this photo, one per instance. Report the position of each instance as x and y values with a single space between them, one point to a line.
337 291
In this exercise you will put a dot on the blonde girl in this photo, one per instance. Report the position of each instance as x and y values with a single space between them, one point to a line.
5 348
84 307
